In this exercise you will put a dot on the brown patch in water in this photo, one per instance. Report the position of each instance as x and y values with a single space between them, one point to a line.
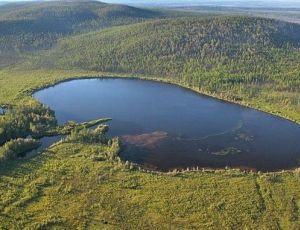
145 140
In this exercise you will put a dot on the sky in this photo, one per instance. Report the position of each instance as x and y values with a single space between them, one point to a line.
237 3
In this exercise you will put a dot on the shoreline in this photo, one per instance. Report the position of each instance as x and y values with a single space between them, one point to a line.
31 92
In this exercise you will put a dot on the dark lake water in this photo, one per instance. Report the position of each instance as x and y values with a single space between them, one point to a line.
165 126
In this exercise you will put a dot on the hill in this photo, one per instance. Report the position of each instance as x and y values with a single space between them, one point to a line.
31 27
165 46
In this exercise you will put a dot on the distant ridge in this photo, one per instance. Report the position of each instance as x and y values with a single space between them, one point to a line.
165 47
225 3
33 26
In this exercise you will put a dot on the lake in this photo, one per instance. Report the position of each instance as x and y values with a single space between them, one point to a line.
164 126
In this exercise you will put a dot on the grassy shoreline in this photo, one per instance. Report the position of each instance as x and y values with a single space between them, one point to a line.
65 188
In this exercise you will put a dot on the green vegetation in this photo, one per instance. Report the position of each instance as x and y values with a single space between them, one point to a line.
206 43
81 182
74 185
85 135
37 121
17 148
22 121
70 126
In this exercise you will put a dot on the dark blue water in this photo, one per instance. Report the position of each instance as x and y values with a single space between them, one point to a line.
166 127
2 111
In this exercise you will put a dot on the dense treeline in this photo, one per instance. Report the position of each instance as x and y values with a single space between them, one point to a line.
22 121
31 27
166 46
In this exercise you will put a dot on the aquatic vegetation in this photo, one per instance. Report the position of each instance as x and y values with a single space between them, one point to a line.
244 136
147 140
227 151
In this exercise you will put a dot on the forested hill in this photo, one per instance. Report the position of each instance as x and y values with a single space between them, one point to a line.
168 47
30 27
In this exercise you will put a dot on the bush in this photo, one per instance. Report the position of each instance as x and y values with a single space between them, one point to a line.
17 148
85 135
20 121
297 172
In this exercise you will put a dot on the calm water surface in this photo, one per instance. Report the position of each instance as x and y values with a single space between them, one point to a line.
166 127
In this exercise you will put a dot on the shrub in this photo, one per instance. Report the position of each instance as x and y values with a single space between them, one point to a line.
17 148
85 135
20 121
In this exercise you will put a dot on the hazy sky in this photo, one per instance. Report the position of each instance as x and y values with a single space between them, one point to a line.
240 3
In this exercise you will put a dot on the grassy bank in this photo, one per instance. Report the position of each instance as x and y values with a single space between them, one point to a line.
65 188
